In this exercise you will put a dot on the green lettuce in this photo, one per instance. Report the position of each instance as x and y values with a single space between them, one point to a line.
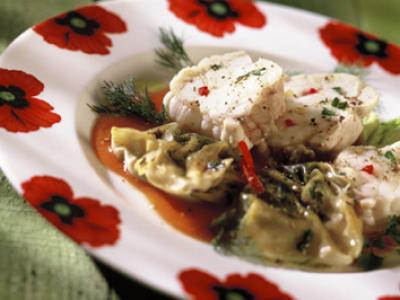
379 133
357 69
150 84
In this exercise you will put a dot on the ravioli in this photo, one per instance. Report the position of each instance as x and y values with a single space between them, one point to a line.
228 97
324 112
188 165
304 217
375 181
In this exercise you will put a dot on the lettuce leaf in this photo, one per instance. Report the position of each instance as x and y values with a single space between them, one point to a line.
357 69
379 133
150 84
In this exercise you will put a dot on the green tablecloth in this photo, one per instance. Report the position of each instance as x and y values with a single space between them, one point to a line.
36 261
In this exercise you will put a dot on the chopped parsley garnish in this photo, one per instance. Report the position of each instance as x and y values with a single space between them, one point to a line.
325 101
215 165
339 104
256 72
393 228
124 99
369 259
304 244
335 102
389 155
338 89
328 112
316 191
216 67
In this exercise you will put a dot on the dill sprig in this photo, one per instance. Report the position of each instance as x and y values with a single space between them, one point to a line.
124 99
173 55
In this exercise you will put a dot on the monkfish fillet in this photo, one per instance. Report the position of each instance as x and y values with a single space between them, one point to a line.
324 111
375 181
228 97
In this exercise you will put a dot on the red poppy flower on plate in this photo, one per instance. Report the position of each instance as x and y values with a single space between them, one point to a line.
389 298
203 286
218 17
83 219
84 29
352 46
20 110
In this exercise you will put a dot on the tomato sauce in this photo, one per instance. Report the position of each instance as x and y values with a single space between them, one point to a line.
192 219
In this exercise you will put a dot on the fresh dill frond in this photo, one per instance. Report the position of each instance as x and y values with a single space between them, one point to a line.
173 55
125 100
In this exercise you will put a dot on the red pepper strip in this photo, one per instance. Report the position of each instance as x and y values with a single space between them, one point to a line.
248 169
204 91
368 169
310 92
253 180
289 123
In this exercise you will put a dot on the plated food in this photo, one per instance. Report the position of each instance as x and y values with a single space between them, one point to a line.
228 97
164 239
282 162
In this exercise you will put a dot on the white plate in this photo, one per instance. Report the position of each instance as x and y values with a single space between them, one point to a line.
147 248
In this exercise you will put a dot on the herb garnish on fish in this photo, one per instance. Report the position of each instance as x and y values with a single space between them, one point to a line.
126 100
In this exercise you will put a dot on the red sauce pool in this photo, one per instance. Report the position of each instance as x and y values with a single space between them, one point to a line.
192 219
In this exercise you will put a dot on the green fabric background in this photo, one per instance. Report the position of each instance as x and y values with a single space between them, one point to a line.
36 261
